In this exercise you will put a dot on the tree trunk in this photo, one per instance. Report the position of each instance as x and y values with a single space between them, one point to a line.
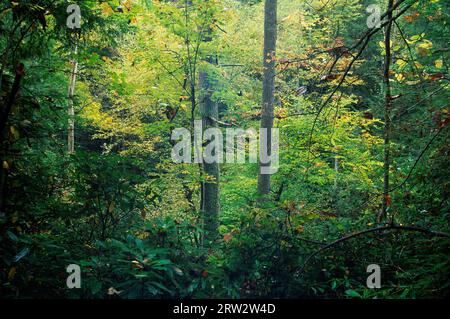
387 111
336 171
70 109
210 197
4 115
267 115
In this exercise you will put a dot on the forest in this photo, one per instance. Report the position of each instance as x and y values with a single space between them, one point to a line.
238 149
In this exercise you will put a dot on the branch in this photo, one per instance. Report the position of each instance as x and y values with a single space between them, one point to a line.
219 122
417 160
374 196
373 230
365 40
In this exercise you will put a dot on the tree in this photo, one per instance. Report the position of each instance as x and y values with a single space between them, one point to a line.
71 112
387 113
140 224
209 110
267 113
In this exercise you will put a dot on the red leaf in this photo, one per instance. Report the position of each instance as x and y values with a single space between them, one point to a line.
436 76
227 237
388 200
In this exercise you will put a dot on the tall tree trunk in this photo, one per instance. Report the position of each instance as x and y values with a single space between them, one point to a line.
70 109
210 197
5 112
387 111
4 115
270 41
335 197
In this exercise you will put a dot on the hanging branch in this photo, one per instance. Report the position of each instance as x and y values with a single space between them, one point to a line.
363 40
355 58
366 40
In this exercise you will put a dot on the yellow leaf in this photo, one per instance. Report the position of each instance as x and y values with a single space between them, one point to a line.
438 63
5 165
128 4
426 44
399 77
401 63
106 8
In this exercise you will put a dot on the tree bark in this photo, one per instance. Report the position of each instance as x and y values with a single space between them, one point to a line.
70 109
387 111
4 115
267 113
210 197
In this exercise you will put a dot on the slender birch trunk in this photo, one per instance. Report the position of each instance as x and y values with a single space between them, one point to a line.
336 170
70 110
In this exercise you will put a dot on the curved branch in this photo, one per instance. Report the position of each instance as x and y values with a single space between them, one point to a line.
373 230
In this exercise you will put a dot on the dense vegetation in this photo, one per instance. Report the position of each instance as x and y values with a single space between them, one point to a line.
364 170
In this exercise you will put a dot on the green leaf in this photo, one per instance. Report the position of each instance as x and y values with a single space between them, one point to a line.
21 254
353 293
12 236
